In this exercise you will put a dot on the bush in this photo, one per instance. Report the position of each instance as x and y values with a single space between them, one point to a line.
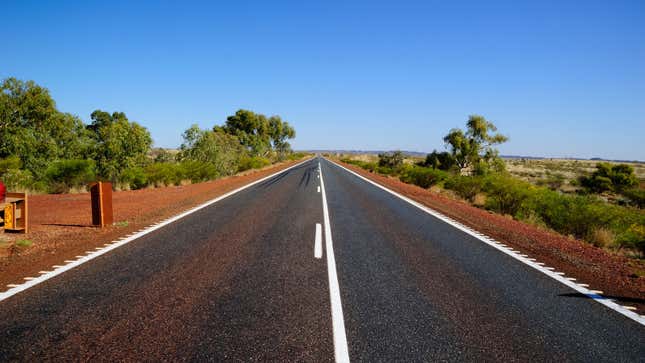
440 160
505 194
296 156
466 187
67 174
134 178
361 164
164 174
421 176
197 171
636 196
609 177
391 160
13 176
253 162
633 237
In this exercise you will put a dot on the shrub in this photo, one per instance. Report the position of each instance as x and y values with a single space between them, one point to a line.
633 237
505 194
636 196
391 160
134 178
552 181
67 174
163 174
609 177
601 237
361 164
197 171
466 187
13 176
16 179
421 176
253 162
440 160
296 156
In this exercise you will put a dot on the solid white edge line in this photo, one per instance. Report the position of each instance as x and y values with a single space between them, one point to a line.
341 352
83 259
318 241
538 266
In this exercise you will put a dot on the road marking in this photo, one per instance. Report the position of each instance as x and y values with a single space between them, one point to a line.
318 241
536 265
31 282
341 352
319 189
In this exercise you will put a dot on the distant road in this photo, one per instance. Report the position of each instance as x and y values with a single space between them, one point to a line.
254 277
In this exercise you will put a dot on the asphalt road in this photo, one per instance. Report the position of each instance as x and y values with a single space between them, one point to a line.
238 281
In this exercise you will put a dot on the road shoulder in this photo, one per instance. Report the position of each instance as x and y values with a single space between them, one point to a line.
616 276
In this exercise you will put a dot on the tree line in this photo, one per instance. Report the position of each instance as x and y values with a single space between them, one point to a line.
44 149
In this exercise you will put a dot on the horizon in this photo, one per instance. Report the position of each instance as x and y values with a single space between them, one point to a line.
562 80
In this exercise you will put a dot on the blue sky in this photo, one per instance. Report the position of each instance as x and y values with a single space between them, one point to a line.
561 78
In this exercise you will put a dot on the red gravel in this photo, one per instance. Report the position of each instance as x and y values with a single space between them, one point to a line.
60 225
618 276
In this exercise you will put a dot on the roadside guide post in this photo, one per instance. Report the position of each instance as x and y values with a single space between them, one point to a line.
15 213
101 193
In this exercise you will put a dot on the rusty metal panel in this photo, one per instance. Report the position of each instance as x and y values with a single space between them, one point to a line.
106 198
101 194
9 221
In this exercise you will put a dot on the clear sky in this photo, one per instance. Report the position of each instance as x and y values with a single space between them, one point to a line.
561 78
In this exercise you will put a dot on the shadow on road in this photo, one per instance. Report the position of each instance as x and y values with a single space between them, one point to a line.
623 299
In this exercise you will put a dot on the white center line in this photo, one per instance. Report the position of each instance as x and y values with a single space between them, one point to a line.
318 241
341 352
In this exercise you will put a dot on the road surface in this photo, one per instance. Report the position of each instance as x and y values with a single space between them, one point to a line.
240 280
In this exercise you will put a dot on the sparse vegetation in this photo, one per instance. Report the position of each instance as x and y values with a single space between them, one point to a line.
23 243
564 196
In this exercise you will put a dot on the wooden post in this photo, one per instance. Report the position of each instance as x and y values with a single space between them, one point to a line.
101 193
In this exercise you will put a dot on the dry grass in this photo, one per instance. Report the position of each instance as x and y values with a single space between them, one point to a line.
559 173
601 237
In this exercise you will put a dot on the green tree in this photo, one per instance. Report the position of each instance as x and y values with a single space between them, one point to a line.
119 144
34 130
251 129
475 144
217 148
280 131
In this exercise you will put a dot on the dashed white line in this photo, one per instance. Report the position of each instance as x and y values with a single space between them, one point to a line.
318 241
341 352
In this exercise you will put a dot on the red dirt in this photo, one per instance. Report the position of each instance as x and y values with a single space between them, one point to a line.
617 276
60 225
